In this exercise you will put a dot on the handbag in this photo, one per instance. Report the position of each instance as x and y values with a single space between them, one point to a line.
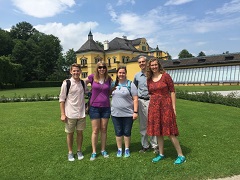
87 104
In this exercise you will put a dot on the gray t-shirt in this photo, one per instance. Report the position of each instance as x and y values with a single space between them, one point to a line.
122 101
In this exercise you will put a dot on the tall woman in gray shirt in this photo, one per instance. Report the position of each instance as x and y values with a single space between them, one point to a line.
124 109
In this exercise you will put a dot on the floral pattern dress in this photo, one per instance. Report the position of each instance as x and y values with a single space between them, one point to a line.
161 116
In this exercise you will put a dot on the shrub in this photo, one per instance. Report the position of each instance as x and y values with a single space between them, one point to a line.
207 96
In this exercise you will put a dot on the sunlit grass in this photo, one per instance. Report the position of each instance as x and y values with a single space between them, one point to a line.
33 146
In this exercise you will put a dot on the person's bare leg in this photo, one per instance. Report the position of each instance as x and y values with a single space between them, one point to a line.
103 126
95 131
176 145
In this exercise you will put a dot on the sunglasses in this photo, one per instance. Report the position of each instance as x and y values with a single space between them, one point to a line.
102 67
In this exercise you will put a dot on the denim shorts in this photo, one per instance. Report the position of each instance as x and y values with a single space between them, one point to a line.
99 112
122 126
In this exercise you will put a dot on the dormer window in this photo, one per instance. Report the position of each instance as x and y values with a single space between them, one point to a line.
229 57
176 62
201 60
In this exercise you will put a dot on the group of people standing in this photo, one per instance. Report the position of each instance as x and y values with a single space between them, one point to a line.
151 97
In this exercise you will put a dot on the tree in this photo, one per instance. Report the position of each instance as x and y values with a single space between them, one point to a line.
100 44
70 58
169 57
201 54
6 43
22 30
10 73
184 54
35 51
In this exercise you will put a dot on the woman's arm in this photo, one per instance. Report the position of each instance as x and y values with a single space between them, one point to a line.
173 97
135 107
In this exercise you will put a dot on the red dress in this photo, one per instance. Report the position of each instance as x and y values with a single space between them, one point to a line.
161 116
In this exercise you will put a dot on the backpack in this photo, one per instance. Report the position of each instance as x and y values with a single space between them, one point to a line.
128 86
69 84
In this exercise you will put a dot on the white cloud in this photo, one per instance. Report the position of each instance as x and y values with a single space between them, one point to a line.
43 8
207 25
70 35
200 43
227 8
176 2
75 35
121 2
111 12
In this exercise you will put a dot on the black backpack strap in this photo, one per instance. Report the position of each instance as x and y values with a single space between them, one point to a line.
68 86
83 85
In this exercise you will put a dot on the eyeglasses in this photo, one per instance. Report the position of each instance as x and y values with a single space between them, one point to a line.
102 67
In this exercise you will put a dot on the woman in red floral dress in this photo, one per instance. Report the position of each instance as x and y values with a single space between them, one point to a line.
162 109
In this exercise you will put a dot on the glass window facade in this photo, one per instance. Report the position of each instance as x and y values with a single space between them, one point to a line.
219 74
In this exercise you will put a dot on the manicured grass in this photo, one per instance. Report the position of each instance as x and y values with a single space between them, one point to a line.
33 146
207 88
54 91
51 91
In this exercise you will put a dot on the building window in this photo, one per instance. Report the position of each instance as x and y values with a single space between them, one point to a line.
114 59
97 59
83 61
109 62
84 74
123 59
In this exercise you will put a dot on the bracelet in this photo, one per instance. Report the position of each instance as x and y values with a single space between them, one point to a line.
135 112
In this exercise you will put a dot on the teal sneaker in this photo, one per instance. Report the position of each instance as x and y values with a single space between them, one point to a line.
180 160
119 153
105 154
127 153
158 158
93 156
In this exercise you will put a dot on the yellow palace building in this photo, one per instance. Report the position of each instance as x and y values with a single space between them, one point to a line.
220 69
119 51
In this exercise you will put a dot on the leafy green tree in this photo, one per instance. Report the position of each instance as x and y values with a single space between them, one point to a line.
5 42
10 73
201 54
50 49
100 44
70 58
184 54
169 57
22 30
35 51
60 72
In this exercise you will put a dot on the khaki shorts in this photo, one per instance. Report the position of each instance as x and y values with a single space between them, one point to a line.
72 124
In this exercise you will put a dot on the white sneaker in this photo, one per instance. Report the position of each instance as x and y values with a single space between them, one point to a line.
80 155
71 157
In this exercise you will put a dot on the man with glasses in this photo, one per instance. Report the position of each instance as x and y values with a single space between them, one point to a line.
140 80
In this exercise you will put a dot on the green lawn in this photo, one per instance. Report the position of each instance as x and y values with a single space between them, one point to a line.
33 146
207 88
54 91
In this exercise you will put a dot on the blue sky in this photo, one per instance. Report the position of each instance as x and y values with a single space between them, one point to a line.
211 26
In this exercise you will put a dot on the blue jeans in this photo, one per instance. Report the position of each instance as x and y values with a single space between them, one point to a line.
122 126
99 112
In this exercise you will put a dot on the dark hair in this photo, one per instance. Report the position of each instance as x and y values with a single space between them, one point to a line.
117 80
149 71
